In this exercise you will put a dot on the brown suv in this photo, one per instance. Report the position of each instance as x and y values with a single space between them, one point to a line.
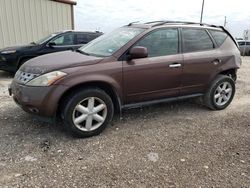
135 65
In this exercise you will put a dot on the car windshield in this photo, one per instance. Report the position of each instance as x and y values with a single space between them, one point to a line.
108 44
46 38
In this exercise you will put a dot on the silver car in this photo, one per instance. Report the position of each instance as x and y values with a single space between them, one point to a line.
244 46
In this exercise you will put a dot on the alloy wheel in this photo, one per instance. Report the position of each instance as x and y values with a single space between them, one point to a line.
89 114
223 93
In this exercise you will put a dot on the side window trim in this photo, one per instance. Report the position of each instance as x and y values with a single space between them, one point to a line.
215 45
181 41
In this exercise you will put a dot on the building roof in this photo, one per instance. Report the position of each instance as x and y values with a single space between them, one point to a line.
70 2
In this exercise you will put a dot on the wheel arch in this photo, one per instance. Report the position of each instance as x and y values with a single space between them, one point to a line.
22 58
230 72
107 87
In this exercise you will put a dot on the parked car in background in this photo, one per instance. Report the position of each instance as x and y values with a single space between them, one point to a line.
244 46
133 66
12 58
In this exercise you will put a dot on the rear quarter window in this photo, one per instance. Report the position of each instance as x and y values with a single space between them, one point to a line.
218 36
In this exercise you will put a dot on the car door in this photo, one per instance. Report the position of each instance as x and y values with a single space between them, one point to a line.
158 75
201 60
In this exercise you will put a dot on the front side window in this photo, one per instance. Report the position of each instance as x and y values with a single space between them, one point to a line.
161 42
196 40
108 44
67 39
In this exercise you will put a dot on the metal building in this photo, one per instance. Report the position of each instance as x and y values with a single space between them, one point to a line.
24 21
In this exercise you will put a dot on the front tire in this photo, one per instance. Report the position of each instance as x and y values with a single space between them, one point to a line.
87 112
220 93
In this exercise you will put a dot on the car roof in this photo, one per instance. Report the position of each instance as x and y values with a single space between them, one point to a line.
75 31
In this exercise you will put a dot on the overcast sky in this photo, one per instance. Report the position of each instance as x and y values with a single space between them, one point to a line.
106 15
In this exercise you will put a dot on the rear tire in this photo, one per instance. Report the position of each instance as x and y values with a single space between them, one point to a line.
87 112
220 93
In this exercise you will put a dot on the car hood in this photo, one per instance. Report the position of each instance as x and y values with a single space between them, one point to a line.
18 47
56 61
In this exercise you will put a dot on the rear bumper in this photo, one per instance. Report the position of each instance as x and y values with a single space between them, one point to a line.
40 101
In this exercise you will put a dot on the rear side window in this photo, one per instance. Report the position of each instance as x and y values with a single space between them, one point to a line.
196 40
82 38
161 42
218 36
93 36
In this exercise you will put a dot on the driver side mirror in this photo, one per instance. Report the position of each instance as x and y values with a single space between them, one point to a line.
138 52
51 44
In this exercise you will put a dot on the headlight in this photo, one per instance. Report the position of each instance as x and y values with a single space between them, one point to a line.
46 79
8 52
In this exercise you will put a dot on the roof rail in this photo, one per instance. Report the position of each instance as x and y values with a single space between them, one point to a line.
180 22
157 21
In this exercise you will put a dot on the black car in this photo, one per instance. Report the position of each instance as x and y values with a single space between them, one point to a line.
12 58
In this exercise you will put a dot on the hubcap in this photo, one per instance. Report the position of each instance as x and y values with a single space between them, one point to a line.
89 114
223 93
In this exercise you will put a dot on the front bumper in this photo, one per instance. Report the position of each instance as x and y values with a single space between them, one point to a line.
41 101
8 63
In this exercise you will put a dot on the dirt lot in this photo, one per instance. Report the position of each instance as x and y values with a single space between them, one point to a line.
180 144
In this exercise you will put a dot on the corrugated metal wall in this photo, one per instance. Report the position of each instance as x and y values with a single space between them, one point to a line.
24 21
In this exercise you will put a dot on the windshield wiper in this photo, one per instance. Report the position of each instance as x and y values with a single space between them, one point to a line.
82 52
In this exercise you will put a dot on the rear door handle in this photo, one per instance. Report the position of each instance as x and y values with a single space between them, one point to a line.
175 65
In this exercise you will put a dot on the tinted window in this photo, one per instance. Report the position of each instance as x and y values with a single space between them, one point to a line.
82 38
196 40
248 43
160 43
93 36
218 36
67 39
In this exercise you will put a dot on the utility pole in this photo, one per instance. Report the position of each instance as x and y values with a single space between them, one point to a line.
203 1
225 21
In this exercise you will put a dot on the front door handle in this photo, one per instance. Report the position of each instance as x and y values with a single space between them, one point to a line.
175 65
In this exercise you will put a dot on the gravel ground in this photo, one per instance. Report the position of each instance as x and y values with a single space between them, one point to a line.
181 144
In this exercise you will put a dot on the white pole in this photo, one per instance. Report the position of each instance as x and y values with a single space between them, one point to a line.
203 1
